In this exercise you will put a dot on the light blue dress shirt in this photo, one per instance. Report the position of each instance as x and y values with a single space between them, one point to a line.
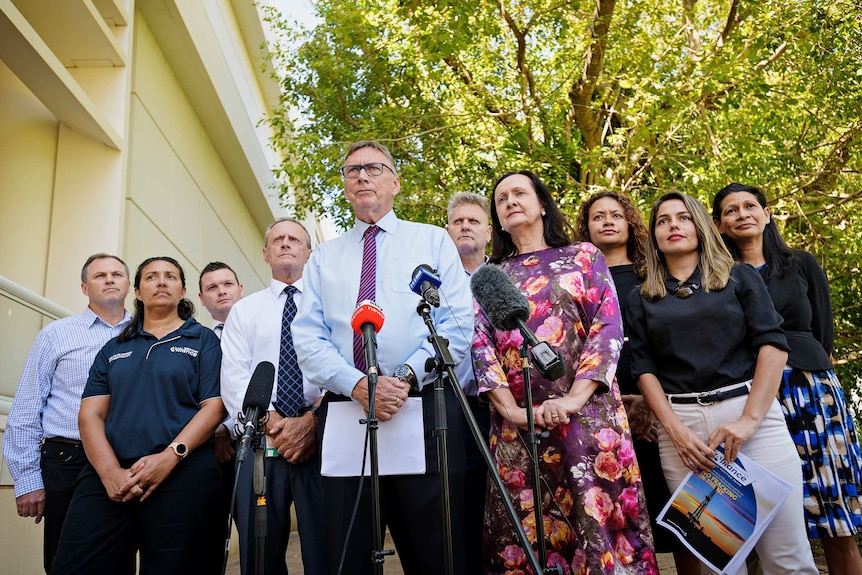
464 370
49 394
322 333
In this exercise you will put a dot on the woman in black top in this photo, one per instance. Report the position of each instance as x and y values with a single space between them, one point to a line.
817 414
613 223
149 410
708 352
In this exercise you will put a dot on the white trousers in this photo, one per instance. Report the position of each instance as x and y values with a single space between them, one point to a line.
784 546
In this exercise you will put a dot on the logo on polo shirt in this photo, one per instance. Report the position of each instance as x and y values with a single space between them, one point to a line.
186 350
123 355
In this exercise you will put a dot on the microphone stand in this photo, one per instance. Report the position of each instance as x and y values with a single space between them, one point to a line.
533 443
258 443
442 361
441 348
378 553
259 481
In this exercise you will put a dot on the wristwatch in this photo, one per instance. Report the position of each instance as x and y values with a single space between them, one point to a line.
405 373
312 408
180 449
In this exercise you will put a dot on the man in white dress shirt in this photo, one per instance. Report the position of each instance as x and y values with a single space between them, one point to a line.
334 279
253 334
219 289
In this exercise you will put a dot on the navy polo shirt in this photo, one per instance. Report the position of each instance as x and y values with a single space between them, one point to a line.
156 386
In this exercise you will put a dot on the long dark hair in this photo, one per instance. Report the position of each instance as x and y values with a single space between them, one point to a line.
638 233
777 253
185 308
557 230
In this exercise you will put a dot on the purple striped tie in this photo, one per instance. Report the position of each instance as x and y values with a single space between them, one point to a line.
366 289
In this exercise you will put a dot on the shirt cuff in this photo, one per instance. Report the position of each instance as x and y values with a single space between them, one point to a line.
28 483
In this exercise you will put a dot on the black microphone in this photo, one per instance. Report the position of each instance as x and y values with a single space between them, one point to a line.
255 404
425 282
507 309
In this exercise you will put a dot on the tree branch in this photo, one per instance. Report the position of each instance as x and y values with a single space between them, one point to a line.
581 92
505 118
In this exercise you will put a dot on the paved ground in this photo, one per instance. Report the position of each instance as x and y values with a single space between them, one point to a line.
392 565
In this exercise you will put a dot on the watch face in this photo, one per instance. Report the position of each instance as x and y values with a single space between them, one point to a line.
181 448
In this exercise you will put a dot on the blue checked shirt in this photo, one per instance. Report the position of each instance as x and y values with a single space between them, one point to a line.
49 394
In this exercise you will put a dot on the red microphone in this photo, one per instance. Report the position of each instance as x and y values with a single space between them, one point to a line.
367 312
367 319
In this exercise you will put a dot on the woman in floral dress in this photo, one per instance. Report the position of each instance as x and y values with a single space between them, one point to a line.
595 517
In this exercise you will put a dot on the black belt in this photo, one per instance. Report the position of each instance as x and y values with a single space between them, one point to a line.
711 396
75 442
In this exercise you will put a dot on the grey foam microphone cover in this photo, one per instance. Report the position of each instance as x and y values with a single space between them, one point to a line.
498 297
259 388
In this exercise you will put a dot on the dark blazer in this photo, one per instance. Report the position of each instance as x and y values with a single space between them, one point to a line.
801 296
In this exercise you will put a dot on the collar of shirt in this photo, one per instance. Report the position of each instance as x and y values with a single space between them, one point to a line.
90 318
671 282
477 267
188 329
277 287
387 224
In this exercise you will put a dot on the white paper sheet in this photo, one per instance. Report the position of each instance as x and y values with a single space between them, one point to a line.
400 441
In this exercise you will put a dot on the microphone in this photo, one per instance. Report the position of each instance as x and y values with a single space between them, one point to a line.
507 309
255 404
367 320
425 282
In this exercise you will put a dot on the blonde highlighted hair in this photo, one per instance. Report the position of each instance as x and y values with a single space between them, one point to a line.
715 260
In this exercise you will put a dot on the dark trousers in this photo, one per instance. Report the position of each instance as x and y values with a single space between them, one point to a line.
220 529
286 485
61 463
101 536
410 507
475 484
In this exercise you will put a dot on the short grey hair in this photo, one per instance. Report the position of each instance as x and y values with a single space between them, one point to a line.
462 198
100 256
375 145
287 219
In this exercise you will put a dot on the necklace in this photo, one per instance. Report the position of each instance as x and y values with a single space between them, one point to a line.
685 290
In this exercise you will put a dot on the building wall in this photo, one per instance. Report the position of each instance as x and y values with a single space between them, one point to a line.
128 127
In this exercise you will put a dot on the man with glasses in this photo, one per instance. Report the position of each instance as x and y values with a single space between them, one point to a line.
42 445
375 260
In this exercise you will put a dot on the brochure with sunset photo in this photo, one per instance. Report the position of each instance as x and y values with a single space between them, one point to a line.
720 514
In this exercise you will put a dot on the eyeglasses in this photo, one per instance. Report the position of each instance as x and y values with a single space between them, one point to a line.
374 169
685 290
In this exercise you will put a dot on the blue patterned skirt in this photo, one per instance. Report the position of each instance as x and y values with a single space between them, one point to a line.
821 424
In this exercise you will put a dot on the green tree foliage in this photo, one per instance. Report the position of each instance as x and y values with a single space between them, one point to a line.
637 96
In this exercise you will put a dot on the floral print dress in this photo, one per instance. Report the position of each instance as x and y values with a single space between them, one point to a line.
595 516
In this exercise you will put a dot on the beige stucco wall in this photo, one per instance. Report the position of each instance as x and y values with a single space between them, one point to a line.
181 201
160 180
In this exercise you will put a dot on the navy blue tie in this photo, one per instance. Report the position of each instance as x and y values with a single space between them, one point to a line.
288 395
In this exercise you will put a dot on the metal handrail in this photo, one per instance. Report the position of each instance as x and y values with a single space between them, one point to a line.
32 300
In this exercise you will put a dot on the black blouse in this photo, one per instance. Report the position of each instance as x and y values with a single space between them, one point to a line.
625 280
707 341
801 297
